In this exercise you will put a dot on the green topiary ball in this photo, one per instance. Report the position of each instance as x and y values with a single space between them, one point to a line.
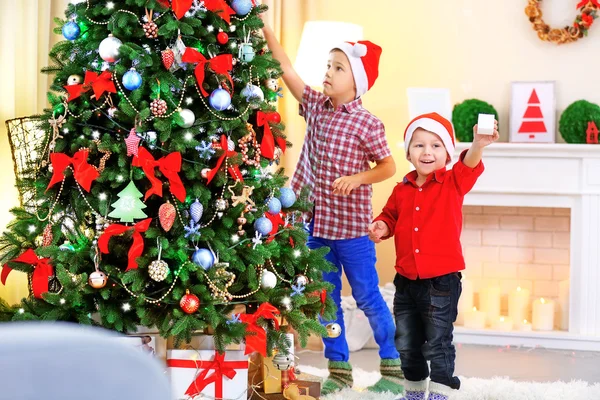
464 117
574 120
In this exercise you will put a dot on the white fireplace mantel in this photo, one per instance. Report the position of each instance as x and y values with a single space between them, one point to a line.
550 175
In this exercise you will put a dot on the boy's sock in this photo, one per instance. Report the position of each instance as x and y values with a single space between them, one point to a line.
392 377
414 390
340 377
438 391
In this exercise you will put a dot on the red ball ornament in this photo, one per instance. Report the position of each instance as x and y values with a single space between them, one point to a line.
276 118
189 303
222 37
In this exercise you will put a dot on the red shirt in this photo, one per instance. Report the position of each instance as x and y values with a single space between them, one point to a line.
338 143
427 221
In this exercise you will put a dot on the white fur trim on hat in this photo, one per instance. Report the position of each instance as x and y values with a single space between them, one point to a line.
433 126
354 53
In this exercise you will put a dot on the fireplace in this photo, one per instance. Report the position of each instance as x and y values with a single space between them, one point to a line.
532 227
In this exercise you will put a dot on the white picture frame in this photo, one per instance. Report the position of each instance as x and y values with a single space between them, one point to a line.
533 112
426 100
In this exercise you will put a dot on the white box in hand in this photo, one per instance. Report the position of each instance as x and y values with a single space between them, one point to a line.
485 124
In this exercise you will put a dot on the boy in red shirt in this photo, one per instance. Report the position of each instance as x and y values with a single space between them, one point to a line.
424 212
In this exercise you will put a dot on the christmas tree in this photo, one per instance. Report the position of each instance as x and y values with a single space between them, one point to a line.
173 101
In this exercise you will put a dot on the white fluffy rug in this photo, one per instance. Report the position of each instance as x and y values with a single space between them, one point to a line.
474 389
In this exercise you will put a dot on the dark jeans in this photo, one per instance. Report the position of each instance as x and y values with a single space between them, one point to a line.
425 310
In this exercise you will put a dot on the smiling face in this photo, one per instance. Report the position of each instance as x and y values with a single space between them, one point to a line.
426 152
339 80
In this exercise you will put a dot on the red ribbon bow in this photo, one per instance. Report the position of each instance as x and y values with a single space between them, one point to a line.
220 64
41 272
169 166
179 7
137 248
100 83
267 146
83 172
220 367
276 221
233 170
258 341
221 8
583 3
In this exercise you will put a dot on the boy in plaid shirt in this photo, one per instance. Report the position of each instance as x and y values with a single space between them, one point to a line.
342 138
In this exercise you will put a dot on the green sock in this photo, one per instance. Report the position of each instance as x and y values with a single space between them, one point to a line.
392 377
340 377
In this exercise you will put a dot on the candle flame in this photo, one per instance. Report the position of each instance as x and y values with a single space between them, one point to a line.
542 300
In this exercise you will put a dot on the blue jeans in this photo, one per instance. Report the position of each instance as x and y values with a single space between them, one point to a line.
425 310
357 258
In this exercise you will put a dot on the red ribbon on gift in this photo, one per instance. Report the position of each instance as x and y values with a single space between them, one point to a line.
137 248
179 7
233 170
99 83
220 64
267 146
220 367
221 8
258 341
83 172
42 271
169 166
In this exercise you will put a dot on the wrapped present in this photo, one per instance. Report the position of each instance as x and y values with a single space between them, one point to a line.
215 375
297 390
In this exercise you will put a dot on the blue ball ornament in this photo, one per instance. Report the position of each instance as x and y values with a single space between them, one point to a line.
71 30
241 7
220 99
132 79
287 197
204 258
274 206
263 225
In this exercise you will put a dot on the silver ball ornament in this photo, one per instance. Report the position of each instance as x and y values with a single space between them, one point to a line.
109 49
221 204
301 280
272 84
268 280
283 362
97 279
188 118
334 330
74 80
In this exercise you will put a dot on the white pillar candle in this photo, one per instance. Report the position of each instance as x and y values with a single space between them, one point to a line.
518 304
465 303
504 324
474 319
543 315
563 302
525 326
489 302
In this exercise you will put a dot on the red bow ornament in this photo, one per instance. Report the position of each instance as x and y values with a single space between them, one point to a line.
276 221
233 170
267 146
137 248
42 271
221 8
99 83
258 340
179 7
169 166
584 3
220 64
83 172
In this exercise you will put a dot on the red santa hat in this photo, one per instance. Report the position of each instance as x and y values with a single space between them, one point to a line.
364 61
434 123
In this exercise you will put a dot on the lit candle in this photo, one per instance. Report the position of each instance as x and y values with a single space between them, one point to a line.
489 302
504 324
475 319
525 326
518 304
465 303
543 315
563 303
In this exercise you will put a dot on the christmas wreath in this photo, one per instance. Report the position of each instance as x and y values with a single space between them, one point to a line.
584 20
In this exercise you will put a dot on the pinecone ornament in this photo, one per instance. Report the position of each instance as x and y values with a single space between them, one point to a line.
168 58
150 29
158 107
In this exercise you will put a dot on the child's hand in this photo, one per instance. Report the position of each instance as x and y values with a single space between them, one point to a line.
345 185
482 141
377 230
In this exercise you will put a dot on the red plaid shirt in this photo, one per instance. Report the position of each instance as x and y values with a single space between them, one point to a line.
338 143
427 221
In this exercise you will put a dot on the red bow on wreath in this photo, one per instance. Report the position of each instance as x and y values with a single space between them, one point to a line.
42 270
233 170
583 3
137 248
169 166
220 64
267 146
99 83
258 341
83 172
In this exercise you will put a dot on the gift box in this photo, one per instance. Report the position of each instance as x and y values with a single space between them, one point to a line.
207 372
270 374
306 388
